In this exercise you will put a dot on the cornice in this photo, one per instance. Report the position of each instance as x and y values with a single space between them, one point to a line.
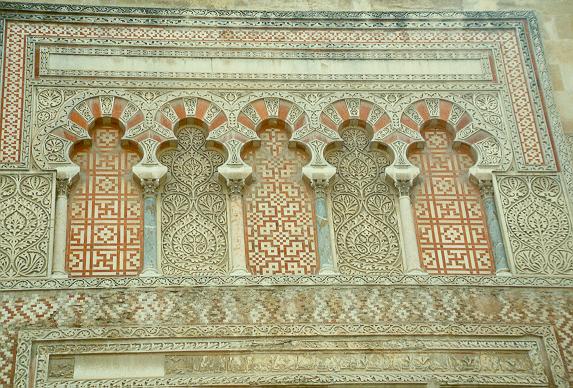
359 16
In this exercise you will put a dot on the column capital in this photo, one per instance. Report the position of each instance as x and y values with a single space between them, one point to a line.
235 186
403 187
150 187
63 187
319 186
485 188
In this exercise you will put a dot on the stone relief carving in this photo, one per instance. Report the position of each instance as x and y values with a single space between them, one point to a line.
538 224
364 214
526 355
26 202
193 209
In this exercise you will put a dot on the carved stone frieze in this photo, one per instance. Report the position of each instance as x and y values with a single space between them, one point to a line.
538 224
290 354
26 206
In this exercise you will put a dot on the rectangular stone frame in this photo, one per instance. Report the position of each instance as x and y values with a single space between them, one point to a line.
35 347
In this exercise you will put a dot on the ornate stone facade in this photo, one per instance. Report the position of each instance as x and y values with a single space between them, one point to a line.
277 159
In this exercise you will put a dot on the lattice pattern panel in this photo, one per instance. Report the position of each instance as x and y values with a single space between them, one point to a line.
452 231
106 214
278 209
364 212
194 208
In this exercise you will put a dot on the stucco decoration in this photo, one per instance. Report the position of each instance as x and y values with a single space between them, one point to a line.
537 224
26 203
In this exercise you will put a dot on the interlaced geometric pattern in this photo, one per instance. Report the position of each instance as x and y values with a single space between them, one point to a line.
278 210
452 231
106 212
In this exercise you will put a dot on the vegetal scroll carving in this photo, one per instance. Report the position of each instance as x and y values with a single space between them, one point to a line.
538 224
25 222
193 217
364 215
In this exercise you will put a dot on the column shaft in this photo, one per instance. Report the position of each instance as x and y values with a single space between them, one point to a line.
499 256
238 257
408 229
60 230
150 265
325 255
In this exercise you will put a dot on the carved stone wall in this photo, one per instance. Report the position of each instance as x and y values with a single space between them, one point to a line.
276 80
193 208
26 203
105 236
363 207
279 216
538 224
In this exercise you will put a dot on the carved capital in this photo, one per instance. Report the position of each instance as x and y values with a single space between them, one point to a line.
62 187
235 186
319 186
485 188
403 187
150 187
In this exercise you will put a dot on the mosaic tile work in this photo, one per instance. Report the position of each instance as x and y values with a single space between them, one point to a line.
355 305
452 232
106 212
278 211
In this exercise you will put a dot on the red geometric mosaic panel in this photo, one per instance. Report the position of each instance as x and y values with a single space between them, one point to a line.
278 210
105 210
452 232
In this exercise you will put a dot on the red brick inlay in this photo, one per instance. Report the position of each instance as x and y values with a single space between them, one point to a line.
106 211
452 231
278 210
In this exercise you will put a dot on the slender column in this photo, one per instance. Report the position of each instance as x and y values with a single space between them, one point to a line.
60 228
411 257
325 255
238 262
150 266
499 256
